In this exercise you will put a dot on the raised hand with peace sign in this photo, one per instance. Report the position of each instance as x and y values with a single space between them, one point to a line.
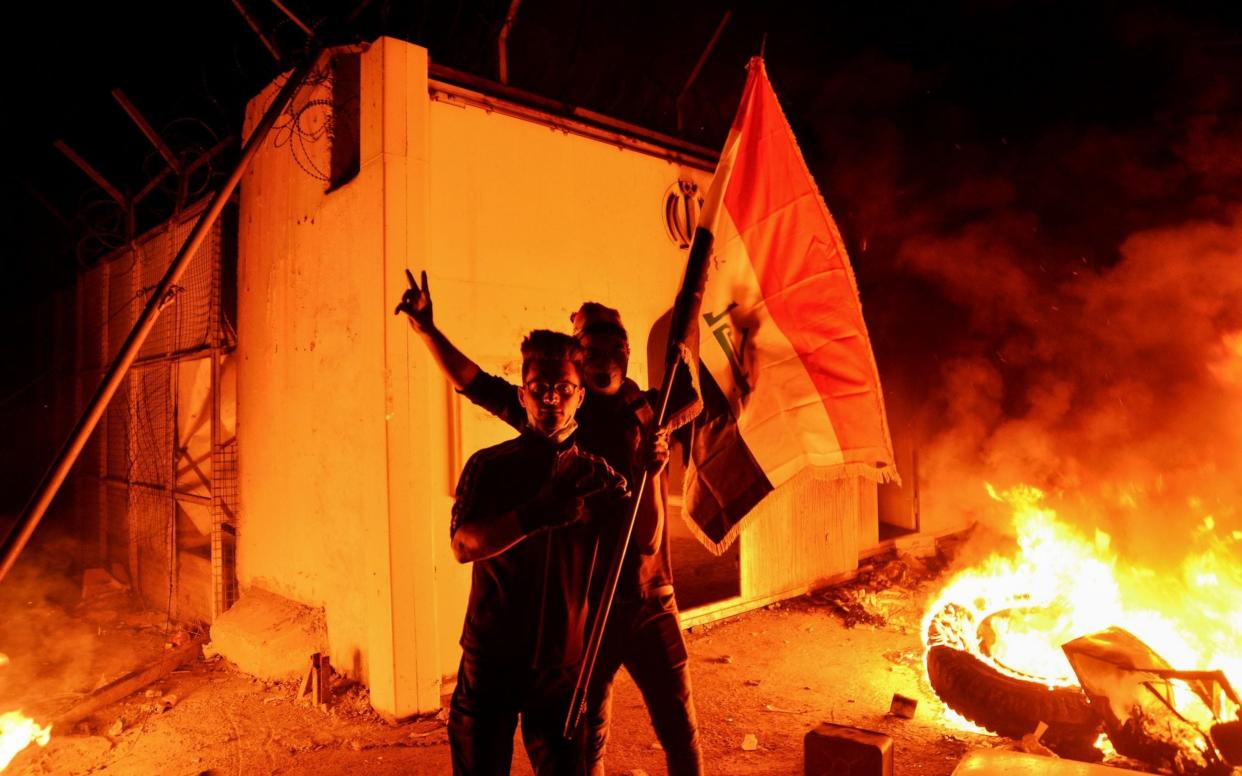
416 304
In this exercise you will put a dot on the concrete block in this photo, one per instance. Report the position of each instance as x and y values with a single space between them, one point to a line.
269 636
840 750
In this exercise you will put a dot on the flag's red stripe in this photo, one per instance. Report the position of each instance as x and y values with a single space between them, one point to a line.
802 267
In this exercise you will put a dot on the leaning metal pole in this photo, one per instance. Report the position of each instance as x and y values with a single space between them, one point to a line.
160 298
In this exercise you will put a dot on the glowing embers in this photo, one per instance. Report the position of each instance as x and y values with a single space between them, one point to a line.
995 633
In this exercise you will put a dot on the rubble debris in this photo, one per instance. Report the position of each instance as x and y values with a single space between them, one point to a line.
904 657
130 683
1030 743
116 728
314 687
1131 689
97 583
779 710
750 742
902 706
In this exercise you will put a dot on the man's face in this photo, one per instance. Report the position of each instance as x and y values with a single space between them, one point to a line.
607 360
551 394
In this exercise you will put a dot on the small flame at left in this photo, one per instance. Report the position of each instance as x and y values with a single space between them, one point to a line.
17 731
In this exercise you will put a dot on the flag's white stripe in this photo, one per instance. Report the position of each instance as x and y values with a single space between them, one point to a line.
713 203
784 415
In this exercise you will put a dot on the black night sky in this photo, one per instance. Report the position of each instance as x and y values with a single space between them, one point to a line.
988 163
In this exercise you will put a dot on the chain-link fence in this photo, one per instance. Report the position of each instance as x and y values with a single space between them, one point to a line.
158 476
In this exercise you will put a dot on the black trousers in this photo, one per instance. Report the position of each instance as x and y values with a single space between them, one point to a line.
644 635
489 699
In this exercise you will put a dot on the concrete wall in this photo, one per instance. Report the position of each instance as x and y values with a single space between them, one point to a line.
350 441
528 223
329 482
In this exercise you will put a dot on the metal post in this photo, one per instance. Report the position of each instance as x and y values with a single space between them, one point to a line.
160 298
502 42
711 44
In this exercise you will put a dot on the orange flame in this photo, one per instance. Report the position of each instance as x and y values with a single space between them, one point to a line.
1061 584
17 731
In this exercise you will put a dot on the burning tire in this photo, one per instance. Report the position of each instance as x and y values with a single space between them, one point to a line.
1005 704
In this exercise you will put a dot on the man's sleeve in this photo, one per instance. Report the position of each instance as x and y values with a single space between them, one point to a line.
498 396
471 497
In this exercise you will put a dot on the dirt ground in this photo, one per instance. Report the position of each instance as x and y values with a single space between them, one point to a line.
761 681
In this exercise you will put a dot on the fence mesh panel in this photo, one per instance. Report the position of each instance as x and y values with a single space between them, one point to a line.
125 475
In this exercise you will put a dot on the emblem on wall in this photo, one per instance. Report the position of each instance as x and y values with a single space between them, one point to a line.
681 211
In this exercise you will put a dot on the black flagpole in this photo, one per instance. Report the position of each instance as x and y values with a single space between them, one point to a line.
685 313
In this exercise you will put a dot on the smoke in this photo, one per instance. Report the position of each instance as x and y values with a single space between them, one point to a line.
1051 268
59 644
1116 390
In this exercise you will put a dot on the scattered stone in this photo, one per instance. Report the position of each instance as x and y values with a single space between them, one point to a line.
442 715
902 657
117 727
355 744
750 742
779 710
753 682
209 652
147 619
902 706
725 659
152 693
1031 743
657 745
167 702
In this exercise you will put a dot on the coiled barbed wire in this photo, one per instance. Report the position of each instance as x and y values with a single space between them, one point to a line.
300 128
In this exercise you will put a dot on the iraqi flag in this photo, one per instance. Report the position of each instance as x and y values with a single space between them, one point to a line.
788 379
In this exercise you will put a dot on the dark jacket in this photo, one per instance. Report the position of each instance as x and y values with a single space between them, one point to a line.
528 605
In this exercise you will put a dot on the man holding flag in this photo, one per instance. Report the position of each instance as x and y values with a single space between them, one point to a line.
788 378
617 423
